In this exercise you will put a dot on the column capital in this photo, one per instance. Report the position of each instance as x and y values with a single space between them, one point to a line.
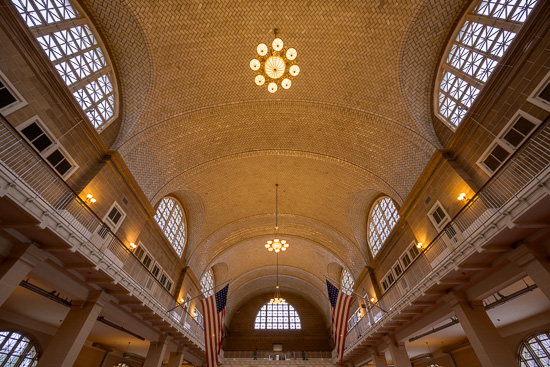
523 254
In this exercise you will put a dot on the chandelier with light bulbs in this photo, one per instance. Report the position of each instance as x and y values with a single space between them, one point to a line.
275 65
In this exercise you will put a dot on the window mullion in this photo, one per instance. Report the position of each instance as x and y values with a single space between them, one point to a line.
494 22
59 26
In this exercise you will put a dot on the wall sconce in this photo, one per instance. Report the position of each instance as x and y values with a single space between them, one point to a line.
373 300
132 245
419 245
90 199
181 300
462 197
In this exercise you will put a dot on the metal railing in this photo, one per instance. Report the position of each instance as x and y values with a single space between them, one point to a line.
519 172
46 186
271 355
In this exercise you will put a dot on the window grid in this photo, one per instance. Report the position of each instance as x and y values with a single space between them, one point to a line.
535 351
170 219
277 316
484 37
382 219
75 53
347 282
207 283
17 350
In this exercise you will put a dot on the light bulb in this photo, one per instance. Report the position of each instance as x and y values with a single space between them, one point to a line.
277 250
267 245
291 54
270 249
286 83
277 44
272 87
254 64
270 242
286 245
419 245
283 248
294 70
89 196
262 49
93 200
260 80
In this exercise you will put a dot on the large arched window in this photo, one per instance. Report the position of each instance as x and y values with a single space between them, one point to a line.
382 218
484 35
346 280
207 283
535 351
277 316
171 220
17 350
72 45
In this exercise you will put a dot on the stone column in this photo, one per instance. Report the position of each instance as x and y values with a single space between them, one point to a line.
18 264
399 355
176 358
534 261
156 352
487 343
378 359
69 339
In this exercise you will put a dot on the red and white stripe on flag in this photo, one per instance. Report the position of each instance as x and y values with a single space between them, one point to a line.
340 316
213 330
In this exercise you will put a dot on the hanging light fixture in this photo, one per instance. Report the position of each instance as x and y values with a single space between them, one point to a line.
277 300
275 65
276 244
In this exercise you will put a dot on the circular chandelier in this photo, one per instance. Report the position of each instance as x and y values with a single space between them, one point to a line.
275 66
276 245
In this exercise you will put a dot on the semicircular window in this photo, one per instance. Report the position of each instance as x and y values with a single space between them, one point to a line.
171 219
17 350
72 45
479 42
382 218
535 351
277 316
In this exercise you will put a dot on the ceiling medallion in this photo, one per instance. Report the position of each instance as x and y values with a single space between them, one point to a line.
275 65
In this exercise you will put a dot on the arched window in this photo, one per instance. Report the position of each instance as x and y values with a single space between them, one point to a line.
72 45
347 282
482 38
535 351
277 316
207 283
382 218
171 220
17 350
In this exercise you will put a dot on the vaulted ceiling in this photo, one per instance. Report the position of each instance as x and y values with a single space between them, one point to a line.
355 124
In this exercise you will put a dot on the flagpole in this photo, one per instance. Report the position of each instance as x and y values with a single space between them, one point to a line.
201 294
357 294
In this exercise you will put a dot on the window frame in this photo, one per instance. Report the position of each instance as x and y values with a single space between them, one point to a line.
32 343
534 96
207 283
444 221
375 251
181 226
49 30
500 141
524 344
444 67
20 100
297 323
55 145
114 226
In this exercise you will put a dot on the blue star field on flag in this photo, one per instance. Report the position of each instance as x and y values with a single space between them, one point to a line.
332 294
221 298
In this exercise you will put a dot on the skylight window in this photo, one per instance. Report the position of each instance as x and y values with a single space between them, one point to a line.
482 38
69 41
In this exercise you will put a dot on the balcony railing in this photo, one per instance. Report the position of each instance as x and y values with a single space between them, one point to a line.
279 356
45 186
521 171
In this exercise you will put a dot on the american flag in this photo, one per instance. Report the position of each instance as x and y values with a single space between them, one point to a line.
339 308
214 316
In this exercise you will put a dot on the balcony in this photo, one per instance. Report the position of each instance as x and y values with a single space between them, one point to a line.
63 225
506 209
